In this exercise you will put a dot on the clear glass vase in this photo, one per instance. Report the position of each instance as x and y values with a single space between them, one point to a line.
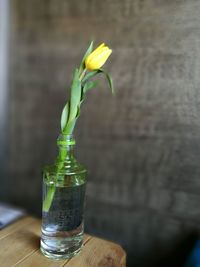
63 203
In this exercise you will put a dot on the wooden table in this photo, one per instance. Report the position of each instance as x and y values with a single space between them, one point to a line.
19 246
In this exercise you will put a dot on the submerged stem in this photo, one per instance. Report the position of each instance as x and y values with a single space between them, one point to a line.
52 189
49 198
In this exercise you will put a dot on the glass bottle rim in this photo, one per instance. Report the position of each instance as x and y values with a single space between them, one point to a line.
66 139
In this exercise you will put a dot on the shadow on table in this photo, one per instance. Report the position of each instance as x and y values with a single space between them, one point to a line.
33 239
175 256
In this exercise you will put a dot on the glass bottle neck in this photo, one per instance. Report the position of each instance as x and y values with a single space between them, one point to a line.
66 145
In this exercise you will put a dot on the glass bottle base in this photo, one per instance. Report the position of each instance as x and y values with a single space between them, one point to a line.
59 256
60 253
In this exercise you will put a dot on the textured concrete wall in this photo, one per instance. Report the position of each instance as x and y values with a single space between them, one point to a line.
142 146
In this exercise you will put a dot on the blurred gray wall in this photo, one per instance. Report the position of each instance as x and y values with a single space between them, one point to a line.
142 147
4 44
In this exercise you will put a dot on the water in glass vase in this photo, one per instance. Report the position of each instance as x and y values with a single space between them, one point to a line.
62 225
64 185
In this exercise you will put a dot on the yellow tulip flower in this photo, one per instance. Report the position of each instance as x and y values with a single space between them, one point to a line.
98 57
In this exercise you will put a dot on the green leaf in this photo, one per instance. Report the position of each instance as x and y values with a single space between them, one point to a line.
70 127
79 111
109 79
73 104
75 96
89 50
86 87
64 116
82 99
90 75
89 85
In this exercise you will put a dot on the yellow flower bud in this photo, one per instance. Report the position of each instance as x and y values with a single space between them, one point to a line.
98 57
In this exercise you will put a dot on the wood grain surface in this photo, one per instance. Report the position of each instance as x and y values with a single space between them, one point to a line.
19 246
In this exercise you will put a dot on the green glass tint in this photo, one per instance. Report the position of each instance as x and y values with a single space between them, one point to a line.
63 203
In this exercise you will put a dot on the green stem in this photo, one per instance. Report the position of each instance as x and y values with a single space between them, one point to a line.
52 189
60 162
82 74
49 198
